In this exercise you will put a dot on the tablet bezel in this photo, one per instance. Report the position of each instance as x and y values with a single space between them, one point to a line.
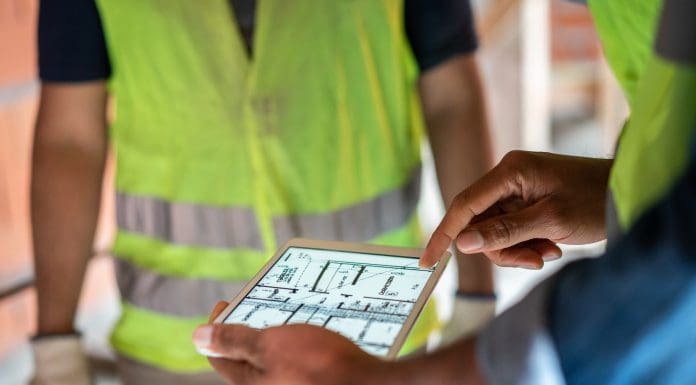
357 248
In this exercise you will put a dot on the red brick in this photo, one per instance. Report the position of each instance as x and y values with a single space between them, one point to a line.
16 123
17 41
17 320
573 36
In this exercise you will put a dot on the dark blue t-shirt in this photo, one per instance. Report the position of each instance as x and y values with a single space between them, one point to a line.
72 46
630 316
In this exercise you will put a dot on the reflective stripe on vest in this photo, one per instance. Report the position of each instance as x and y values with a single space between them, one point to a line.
181 297
357 223
187 224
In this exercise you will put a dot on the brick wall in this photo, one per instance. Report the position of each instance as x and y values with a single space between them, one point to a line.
17 108
17 46
573 36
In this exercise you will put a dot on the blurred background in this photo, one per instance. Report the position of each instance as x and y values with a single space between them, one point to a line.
549 89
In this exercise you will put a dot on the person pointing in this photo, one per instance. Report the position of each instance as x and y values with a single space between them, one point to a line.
529 202
624 318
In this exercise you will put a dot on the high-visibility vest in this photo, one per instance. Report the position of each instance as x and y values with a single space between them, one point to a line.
653 148
221 158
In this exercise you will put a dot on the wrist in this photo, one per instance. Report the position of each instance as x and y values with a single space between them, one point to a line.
475 295
55 329
474 273
49 335
45 330
455 364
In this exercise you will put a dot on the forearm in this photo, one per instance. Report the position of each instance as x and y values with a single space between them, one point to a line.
65 195
459 137
454 106
68 161
461 161
461 149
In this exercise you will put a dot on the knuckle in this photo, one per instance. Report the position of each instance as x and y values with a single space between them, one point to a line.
558 219
460 199
514 168
515 157
556 213
500 232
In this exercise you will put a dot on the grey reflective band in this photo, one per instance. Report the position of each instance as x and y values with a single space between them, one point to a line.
676 34
357 223
231 227
176 296
188 224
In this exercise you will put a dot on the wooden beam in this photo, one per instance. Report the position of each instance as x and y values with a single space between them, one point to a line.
535 77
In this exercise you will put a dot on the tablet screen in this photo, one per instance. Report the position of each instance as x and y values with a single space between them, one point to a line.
365 297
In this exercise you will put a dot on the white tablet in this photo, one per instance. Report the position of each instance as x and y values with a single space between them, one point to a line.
370 294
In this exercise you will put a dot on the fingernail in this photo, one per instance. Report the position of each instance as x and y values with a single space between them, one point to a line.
550 257
203 336
530 267
468 241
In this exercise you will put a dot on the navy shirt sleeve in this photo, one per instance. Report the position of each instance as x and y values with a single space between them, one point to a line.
439 30
72 46
71 42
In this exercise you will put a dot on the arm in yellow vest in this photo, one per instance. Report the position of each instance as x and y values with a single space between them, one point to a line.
70 145
455 112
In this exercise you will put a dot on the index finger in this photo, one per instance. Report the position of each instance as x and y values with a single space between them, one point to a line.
474 200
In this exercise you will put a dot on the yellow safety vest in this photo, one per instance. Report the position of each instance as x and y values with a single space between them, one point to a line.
654 145
222 158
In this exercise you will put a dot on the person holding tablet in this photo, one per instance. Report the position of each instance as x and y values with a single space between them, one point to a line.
237 125
370 294
626 317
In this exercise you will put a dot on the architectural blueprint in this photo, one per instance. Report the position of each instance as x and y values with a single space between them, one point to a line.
364 297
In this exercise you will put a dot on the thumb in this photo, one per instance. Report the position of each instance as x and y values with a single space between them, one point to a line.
506 230
235 342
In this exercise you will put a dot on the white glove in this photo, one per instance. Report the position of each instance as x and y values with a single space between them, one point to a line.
469 315
59 360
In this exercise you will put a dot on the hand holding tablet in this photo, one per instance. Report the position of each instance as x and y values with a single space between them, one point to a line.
371 295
